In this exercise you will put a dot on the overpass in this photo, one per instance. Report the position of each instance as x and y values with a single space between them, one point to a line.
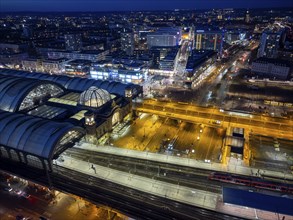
271 126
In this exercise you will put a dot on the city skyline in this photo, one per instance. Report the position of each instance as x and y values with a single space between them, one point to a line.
129 5
166 114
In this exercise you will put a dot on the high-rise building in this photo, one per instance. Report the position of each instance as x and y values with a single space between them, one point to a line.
127 42
161 40
209 40
164 37
235 36
247 17
159 53
73 42
269 44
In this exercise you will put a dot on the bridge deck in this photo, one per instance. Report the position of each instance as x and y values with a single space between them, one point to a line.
255 123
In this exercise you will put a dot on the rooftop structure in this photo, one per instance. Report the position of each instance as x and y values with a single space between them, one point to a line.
164 37
197 59
271 68
94 97
35 141
54 118
269 44
209 40
78 84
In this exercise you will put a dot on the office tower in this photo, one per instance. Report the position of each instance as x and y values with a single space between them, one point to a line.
247 17
269 44
209 40
127 42
164 37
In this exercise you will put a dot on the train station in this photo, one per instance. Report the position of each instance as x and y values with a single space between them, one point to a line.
42 115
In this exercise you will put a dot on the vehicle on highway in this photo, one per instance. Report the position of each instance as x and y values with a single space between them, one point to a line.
251 181
172 143
8 189
17 191
217 122
25 195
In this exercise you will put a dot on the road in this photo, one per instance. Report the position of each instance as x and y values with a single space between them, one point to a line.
154 134
187 138
210 146
147 133
182 59
61 206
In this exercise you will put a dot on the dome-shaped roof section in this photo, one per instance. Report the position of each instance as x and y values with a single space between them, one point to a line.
94 97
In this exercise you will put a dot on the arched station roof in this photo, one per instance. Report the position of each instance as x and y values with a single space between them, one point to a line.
77 83
13 90
31 135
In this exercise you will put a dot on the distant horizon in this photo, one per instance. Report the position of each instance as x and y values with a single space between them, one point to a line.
40 6
158 10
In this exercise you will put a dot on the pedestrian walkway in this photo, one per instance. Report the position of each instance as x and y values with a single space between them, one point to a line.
190 196
233 167
174 192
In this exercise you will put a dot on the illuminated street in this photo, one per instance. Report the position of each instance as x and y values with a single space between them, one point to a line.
153 134
210 115
60 206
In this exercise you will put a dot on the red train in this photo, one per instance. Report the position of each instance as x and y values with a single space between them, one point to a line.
251 181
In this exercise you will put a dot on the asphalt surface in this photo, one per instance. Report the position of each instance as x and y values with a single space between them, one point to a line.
266 155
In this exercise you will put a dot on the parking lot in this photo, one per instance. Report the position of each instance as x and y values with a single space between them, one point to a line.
173 137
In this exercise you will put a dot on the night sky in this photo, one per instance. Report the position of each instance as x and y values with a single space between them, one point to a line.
123 5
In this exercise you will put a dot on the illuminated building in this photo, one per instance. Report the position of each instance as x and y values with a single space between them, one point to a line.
209 40
199 60
164 37
269 44
235 36
78 67
56 112
121 71
271 68
168 62
94 56
247 17
47 65
127 42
